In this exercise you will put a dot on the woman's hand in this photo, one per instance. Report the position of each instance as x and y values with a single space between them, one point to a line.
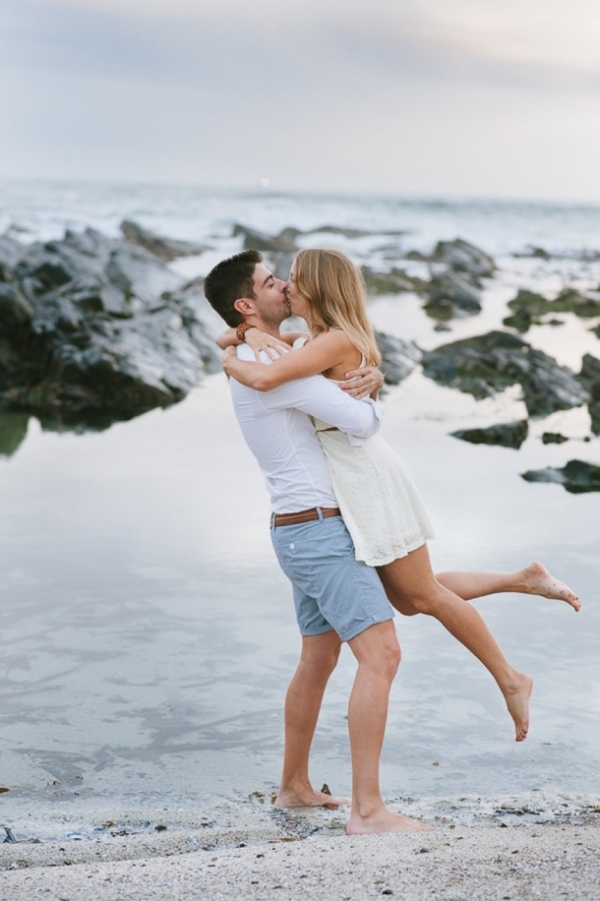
257 341
363 382
230 353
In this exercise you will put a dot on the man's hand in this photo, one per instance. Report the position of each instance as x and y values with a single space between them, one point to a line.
364 382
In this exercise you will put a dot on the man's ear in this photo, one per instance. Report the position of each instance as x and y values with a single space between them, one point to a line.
245 306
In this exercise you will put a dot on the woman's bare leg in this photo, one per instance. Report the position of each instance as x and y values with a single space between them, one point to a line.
414 582
534 579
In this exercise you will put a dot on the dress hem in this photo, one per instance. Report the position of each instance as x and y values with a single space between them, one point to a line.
391 557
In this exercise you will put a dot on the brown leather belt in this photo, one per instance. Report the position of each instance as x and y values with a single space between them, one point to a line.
293 519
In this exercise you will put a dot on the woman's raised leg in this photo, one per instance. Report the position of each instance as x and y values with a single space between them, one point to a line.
534 579
413 580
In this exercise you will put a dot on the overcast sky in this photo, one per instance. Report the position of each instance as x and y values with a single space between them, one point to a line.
496 98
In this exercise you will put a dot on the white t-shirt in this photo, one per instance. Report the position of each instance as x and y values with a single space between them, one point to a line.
278 430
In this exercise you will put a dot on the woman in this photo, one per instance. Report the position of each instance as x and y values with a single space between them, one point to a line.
378 501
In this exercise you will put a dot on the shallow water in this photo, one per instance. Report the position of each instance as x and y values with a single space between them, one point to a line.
148 635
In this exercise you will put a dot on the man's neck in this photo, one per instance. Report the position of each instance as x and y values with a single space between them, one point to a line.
269 328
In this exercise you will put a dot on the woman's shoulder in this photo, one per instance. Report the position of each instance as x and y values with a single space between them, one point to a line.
335 337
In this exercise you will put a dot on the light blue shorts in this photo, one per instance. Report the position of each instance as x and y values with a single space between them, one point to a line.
332 590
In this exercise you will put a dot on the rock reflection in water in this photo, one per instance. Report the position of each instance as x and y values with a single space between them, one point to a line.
13 429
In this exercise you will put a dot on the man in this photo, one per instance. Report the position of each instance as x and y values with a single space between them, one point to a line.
336 598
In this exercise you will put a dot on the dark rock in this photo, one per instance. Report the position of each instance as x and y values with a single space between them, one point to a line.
457 268
528 303
536 252
553 438
417 256
577 476
571 301
280 263
10 251
590 370
284 242
200 321
529 307
94 329
398 357
458 256
14 308
521 320
461 256
338 230
393 282
349 232
451 296
508 434
590 378
166 249
489 363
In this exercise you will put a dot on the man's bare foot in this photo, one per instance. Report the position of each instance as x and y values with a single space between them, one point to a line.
539 581
383 820
308 798
517 701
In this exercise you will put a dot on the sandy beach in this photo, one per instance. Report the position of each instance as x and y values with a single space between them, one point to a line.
549 863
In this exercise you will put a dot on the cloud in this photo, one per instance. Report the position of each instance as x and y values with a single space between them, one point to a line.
422 95
538 43
560 33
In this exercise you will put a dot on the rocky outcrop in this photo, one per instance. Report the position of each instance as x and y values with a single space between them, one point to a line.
590 378
528 307
398 357
507 434
577 476
540 253
451 296
284 242
395 281
459 256
489 363
453 291
457 269
531 251
553 438
94 329
166 249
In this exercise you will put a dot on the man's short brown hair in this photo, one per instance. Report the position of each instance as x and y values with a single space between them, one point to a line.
230 280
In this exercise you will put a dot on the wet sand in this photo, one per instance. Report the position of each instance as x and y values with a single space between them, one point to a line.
549 863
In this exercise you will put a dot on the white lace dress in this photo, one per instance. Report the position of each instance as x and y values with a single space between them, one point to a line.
378 501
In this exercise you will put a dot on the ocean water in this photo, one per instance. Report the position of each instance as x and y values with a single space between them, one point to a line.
147 633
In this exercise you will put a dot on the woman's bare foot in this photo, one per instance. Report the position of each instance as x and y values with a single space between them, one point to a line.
308 798
517 701
383 820
539 581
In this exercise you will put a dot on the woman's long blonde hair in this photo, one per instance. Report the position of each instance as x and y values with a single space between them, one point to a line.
335 295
